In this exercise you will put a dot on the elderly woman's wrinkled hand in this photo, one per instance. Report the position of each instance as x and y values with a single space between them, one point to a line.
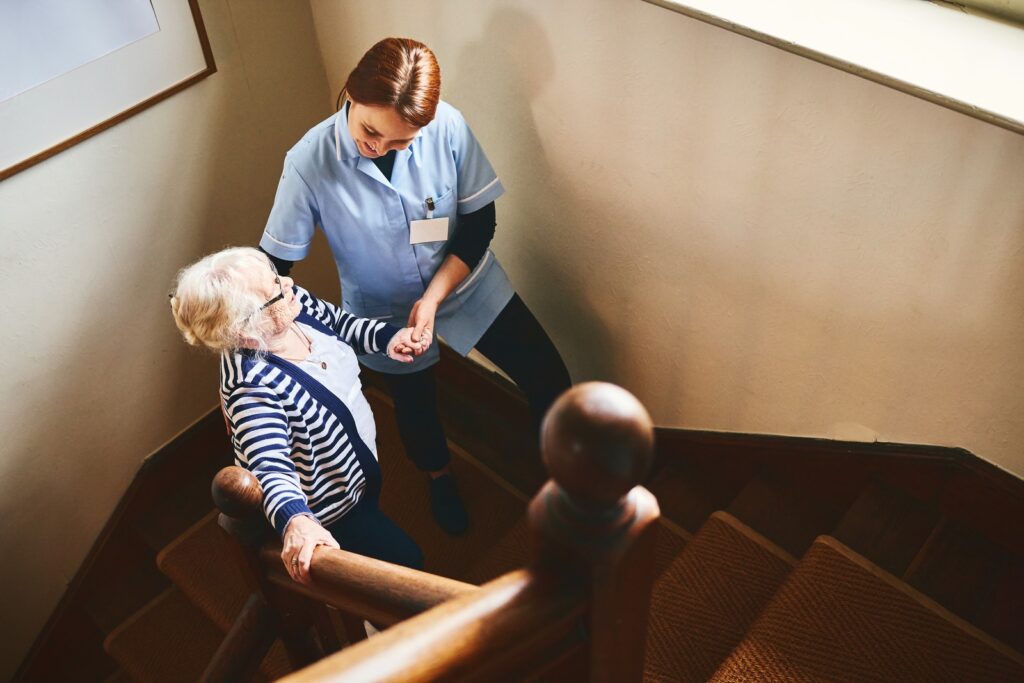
301 538
403 349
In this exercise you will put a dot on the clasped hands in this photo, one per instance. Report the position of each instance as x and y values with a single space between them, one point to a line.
415 339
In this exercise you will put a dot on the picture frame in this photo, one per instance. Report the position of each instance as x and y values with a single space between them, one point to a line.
63 111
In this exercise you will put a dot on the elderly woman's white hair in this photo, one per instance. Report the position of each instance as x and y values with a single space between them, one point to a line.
213 305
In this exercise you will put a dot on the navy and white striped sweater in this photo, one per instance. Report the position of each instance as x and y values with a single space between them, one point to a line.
297 437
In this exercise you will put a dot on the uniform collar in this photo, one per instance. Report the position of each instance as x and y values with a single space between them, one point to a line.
344 145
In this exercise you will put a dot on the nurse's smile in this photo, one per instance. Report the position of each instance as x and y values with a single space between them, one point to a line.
378 130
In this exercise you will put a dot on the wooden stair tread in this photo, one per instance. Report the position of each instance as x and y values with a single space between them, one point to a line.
122 580
703 603
168 517
684 494
81 656
1005 620
887 527
838 617
170 640
963 571
121 598
790 518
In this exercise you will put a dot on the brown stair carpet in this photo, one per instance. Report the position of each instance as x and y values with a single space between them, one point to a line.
840 618
202 564
703 603
167 641
510 552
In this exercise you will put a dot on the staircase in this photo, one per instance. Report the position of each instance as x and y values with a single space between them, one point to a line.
757 580
771 585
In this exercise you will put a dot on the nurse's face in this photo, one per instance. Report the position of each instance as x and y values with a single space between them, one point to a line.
378 130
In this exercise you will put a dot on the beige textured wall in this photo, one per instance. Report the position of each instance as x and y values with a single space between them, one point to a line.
748 240
94 374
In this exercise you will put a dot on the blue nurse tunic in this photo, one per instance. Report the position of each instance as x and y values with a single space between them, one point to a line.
366 217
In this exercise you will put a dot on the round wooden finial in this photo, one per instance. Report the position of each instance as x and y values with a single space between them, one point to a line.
236 492
597 442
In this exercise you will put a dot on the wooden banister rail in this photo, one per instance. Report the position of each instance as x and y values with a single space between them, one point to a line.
361 587
592 530
382 592
486 635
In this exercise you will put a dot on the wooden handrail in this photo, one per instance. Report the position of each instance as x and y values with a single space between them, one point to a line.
485 635
592 530
382 592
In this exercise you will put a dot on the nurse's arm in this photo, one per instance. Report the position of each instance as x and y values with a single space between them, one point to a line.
449 276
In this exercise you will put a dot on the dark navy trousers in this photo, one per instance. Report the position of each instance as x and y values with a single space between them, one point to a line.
517 344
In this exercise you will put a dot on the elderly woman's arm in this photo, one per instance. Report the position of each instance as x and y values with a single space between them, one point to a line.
260 430
364 335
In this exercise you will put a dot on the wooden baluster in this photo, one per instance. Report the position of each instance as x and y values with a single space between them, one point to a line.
238 496
243 648
593 522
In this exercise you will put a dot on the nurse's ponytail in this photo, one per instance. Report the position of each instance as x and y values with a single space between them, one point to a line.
400 73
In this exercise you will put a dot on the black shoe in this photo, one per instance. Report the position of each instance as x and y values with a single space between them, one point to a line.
446 504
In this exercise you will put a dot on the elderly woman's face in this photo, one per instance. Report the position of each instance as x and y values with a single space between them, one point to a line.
264 281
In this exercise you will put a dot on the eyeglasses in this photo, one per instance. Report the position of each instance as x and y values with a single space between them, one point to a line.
279 297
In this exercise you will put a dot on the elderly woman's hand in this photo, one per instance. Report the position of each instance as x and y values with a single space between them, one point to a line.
402 348
302 535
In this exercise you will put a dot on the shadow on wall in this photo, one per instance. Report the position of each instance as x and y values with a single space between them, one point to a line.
785 243
538 219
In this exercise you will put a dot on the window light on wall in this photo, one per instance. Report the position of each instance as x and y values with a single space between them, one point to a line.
964 59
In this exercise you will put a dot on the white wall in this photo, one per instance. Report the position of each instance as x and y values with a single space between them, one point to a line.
747 240
94 374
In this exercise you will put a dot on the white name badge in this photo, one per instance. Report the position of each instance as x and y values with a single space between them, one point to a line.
429 230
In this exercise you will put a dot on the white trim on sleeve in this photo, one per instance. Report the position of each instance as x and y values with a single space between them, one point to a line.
286 244
479 192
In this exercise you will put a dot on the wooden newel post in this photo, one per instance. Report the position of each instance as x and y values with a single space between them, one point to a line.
592 521
239 497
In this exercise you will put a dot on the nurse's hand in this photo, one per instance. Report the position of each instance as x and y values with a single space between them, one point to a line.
421 320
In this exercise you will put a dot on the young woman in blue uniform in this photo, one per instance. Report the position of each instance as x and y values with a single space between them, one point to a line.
405 196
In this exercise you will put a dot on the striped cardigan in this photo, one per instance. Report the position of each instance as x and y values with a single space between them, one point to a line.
288 429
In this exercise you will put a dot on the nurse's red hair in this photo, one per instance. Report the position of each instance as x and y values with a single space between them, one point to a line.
401 73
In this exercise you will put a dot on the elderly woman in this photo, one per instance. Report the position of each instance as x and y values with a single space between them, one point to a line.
292 398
